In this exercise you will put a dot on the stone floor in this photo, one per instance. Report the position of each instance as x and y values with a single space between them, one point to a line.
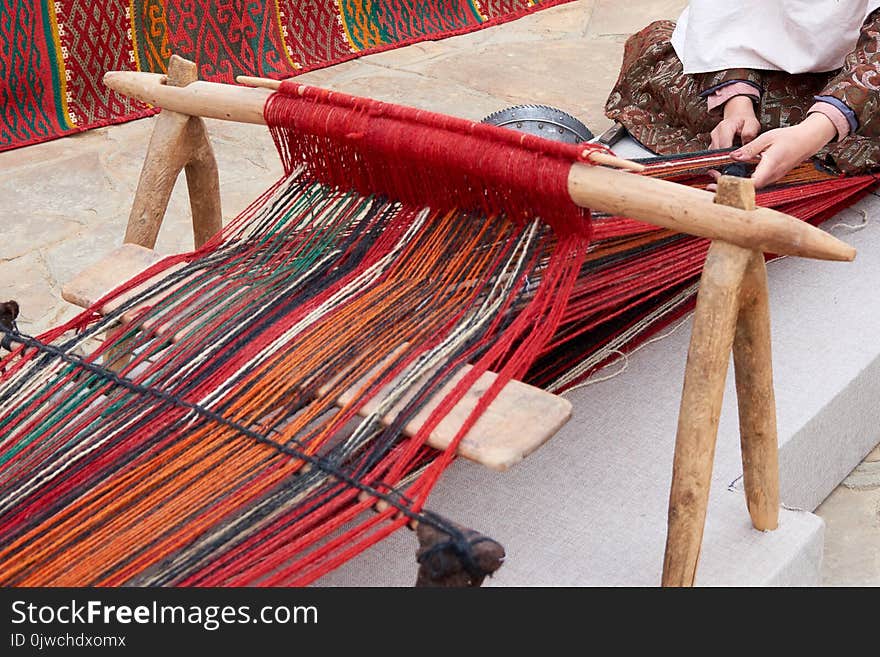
65 203
852 527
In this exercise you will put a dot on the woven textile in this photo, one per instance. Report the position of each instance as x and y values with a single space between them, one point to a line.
53 53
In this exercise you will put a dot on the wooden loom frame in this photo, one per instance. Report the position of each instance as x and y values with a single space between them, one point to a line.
732 312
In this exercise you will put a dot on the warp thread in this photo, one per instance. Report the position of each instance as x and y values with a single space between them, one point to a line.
422 158
166 473
100 485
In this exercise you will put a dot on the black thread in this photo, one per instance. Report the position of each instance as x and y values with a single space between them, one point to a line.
392 498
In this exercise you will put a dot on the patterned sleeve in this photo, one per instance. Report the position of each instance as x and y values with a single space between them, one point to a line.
858 83
711 82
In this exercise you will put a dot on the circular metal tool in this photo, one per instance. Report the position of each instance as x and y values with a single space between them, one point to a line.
543 121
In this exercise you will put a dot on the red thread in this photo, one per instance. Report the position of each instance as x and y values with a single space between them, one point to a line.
423 158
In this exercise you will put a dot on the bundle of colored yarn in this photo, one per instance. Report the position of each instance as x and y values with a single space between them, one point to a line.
217 453
401 250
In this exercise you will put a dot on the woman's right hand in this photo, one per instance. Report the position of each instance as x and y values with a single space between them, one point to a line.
739 121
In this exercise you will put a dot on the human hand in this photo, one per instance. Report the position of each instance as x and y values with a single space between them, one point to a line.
783 149
739 121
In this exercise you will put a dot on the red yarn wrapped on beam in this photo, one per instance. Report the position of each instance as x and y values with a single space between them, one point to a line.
422 158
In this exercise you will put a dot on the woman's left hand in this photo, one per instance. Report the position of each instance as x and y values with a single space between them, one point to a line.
783 149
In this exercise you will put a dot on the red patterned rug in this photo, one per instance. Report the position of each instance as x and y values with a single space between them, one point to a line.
53 53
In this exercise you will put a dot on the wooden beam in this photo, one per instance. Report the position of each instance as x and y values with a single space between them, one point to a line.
654 201
211 100
694 211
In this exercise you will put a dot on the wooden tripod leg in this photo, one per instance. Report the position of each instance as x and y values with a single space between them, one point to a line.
757 404
178 141
166 156
754 376
715 325
203 183
705 374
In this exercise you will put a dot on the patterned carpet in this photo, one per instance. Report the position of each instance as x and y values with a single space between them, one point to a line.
53 53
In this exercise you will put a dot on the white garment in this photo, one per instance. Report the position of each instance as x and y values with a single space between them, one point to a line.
796 36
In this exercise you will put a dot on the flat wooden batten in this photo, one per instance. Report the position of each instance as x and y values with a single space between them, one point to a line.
655 201
517 422
101 278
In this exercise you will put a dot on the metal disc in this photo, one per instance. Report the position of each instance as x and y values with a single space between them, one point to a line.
543 121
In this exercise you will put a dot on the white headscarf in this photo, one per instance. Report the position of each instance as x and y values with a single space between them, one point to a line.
796 36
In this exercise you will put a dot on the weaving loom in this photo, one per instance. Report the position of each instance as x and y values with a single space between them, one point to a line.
213 436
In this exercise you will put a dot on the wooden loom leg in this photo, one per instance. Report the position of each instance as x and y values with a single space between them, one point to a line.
166 156
705 374
757 405
754 377
712 337
203 183
178 141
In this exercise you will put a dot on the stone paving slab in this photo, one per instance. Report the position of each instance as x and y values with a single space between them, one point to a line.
66 203
852 520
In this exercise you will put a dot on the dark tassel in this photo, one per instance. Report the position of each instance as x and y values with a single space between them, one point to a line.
455 561
8 314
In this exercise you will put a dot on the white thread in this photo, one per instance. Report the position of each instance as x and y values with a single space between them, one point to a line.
625 356
614 346
854 228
